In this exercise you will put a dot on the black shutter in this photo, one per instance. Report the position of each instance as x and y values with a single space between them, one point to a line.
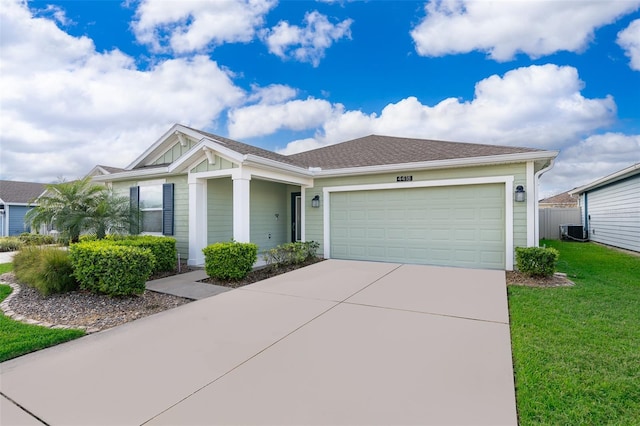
134 210
167 209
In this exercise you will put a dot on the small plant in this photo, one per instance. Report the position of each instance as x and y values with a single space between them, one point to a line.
291 253
102 267
10 244
230 260
537 261
36 239
47 269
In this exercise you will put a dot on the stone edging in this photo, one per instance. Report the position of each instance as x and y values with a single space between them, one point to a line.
8 312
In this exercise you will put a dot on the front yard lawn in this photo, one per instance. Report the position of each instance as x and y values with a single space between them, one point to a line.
17 338
576 349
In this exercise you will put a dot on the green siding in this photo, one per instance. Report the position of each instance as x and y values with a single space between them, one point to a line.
173 153
314 225
220 164
219 210
267 200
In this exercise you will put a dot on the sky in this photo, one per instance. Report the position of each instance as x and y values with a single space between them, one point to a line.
97 82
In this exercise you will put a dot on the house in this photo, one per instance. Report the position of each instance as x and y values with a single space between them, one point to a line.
14 205
559 201
374 198
610 208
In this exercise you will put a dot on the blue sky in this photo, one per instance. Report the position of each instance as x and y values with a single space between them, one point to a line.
96 82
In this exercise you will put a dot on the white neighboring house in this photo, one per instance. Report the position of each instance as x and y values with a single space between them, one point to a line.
611 208
14 205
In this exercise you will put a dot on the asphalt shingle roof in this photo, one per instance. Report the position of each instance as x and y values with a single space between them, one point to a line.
375 150
20 192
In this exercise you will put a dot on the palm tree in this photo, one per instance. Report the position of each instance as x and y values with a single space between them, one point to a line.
78 206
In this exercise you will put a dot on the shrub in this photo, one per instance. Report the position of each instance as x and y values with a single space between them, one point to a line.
537 261
163 249
115 270
36 239
47 269
291 253
10 244
230 260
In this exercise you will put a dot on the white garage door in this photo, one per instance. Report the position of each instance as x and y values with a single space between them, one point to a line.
450 226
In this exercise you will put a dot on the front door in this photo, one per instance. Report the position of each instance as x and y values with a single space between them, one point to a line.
296 217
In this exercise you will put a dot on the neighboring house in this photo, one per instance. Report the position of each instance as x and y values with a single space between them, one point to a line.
374 198
14 205
559 201
611 208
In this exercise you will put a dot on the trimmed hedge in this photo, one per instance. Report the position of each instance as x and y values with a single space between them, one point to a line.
48 269
537 261
230 260
115 270
291 253
163 248
36 239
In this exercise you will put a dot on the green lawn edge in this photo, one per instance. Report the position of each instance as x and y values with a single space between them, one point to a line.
18 339
576 350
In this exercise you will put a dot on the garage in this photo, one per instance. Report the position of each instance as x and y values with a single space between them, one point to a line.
461 225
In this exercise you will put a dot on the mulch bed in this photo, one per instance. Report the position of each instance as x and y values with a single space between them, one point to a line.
261 274
556 280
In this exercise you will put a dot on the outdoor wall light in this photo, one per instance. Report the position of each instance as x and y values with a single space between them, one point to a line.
277 215
315 201
520 195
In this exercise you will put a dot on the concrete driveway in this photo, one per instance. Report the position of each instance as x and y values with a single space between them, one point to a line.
339 342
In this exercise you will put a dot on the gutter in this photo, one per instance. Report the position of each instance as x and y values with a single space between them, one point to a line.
536 210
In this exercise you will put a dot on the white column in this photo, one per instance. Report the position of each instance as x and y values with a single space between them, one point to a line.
241 212
197 221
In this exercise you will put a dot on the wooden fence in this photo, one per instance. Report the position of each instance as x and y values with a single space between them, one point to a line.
551 219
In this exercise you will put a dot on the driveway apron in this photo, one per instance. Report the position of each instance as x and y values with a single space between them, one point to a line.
338 342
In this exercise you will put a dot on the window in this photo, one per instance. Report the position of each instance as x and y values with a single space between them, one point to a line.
152 208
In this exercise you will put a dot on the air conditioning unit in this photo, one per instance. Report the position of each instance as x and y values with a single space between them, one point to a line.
572 232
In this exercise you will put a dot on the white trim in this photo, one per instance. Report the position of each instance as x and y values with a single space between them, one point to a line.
624 173
278 176
303 214
197 221
532 205
506 180
193 177
536 210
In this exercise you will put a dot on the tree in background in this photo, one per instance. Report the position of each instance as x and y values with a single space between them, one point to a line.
80 206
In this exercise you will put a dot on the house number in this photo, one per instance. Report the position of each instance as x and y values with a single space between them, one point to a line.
404 178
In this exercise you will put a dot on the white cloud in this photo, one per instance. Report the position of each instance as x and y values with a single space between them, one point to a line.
536 106
505 28
308 43
272 94
193 25
590 159
66 107
629 40
265 119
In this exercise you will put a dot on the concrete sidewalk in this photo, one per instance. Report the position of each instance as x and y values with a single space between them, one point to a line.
338 342
186 285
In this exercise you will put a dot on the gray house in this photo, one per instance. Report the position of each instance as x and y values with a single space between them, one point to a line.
378 198
611 208
14 205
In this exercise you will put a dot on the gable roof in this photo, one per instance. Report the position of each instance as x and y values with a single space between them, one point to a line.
614 177
20 192
376 150
564 198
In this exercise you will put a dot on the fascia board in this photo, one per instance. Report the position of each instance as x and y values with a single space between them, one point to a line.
440 164
624 173
156 171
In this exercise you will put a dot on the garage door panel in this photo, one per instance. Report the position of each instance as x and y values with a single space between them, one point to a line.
457 226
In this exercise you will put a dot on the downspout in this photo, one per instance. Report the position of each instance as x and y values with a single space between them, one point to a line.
536 210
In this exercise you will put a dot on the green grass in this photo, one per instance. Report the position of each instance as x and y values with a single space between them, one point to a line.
6 267
576 349
18 339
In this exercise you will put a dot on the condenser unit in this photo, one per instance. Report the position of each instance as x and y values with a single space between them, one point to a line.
572 232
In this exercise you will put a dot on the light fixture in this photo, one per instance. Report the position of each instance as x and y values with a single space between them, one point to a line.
520 195
315 201
277 215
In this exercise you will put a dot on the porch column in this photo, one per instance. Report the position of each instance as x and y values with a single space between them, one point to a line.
197 221
241 213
